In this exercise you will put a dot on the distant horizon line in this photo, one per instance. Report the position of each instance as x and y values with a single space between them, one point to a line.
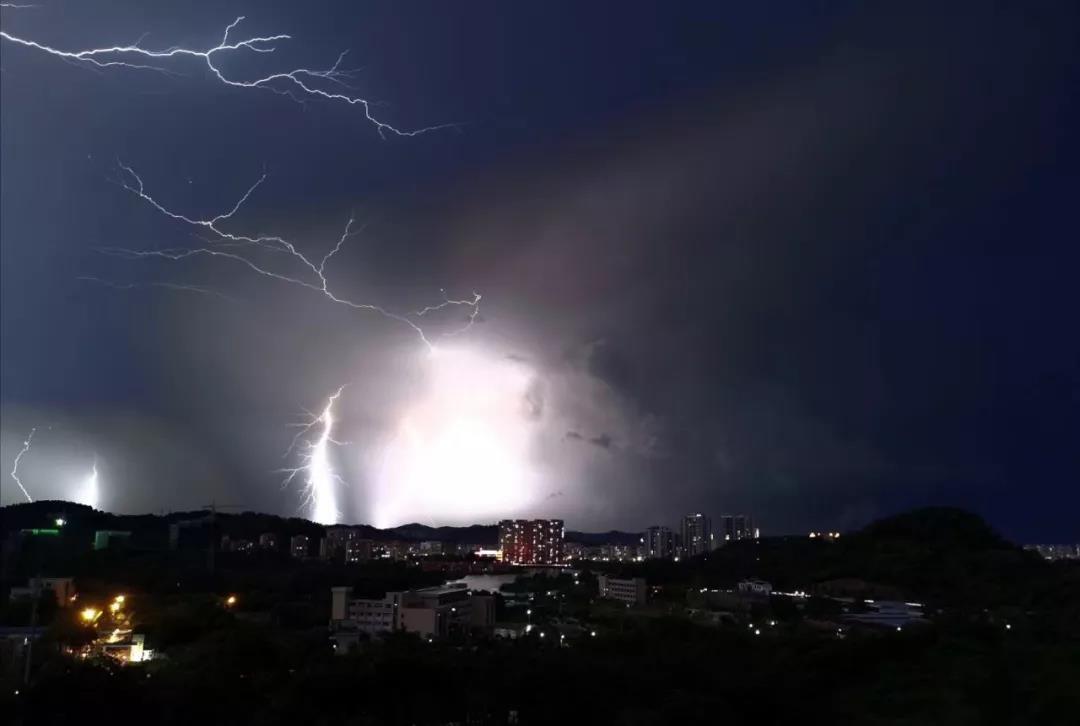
637 531
236 511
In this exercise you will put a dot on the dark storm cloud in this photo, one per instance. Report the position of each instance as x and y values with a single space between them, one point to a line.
603 441
612 366
789 294
811 265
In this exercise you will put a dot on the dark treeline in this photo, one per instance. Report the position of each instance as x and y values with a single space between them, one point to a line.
1002 645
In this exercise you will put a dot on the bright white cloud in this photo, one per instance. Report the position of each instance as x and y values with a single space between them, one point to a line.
87 492
460 453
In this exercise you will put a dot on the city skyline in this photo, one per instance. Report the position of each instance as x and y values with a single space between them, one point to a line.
421 363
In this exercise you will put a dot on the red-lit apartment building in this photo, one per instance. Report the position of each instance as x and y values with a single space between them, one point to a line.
532 541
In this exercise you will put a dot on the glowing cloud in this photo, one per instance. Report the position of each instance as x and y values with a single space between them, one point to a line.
88 491
461 452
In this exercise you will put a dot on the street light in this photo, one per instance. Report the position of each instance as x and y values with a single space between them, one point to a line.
90 614
230 600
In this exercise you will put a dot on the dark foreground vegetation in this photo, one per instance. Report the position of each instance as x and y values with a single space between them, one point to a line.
1002 645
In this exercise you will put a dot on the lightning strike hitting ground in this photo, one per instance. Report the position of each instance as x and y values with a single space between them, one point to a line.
299 84
88 493
320 479
293 266
308 272
18 458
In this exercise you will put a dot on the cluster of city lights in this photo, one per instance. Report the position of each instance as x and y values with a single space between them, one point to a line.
90 614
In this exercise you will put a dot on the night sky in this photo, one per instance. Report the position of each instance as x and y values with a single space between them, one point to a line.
816 262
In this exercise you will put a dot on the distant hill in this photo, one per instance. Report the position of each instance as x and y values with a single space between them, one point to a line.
486 534
938 528
923 534
593 539
153 527
942 554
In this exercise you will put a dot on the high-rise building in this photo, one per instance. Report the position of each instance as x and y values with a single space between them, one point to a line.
358 550
299 546
629 590
430 612
697 535
332 546
532 541
735 527
658 543
235 544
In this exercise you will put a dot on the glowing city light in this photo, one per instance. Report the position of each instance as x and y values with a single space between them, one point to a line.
90 614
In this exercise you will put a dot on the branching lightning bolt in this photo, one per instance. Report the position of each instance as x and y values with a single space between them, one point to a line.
309 272
18 458
298 268
320 479
306 271
298 84
473 304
